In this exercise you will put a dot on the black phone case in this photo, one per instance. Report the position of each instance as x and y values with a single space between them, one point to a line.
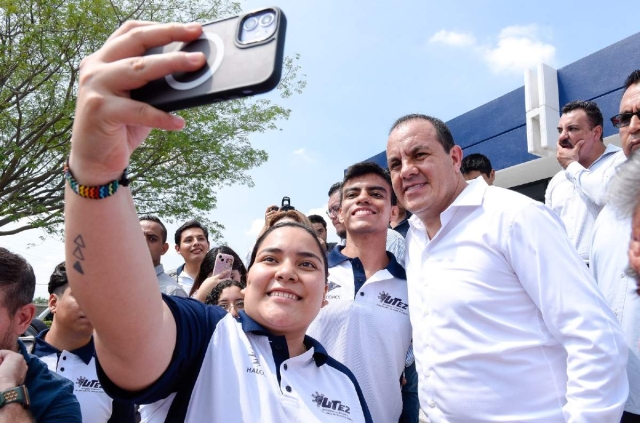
245 70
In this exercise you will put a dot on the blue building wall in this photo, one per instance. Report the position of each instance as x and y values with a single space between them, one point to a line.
498 129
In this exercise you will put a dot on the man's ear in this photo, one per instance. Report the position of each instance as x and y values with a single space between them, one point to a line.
53 303
177 247
165 248
456 156
395 212
492 176
23 318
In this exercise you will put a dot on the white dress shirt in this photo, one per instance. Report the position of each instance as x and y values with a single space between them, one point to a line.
508 323
608 263
577 195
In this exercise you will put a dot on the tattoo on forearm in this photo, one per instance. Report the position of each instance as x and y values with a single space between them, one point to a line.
77 253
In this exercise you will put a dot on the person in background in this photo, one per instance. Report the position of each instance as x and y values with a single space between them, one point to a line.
156 235
475 165
609 257
40 394
320 227
67 349
578 192
624 195
229 295
206 280
192 243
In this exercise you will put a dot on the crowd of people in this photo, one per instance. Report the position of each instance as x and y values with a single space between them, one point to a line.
445 293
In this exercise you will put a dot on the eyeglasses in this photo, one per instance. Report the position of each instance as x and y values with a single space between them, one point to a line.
333 211
624 119
238 305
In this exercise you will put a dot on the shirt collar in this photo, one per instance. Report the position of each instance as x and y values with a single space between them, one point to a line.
335 257
251 326
85 353
159 269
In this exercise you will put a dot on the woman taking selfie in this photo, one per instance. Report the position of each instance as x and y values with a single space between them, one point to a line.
259 367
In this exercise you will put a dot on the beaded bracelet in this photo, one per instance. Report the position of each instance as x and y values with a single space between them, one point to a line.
96 192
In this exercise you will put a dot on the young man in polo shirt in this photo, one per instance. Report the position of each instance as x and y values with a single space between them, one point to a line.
67 349
366 322
50 397
192 243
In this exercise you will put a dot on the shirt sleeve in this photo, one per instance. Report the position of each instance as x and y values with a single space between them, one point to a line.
592 184
195 324
65 408
574 312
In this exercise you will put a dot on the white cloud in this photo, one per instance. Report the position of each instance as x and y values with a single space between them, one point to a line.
453 38
518 47
302 154
321 211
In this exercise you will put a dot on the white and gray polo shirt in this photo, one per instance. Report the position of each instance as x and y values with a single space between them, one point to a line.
366 327
79 366
233 370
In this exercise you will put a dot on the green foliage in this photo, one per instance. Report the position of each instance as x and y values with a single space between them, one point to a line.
175 175
40 300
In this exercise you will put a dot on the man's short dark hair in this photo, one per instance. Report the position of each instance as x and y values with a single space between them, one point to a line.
478 162
590 108
17 280
368 168
188 225
316 218
444 134
58 279
163 229
334 188
632 79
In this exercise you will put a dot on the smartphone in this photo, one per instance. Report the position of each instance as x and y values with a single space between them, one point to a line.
286 204
244 57
223 262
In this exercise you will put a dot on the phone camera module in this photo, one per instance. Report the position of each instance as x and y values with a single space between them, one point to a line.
267 19
258 27
250 24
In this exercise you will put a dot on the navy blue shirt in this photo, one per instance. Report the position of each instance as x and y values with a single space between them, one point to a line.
51 395
219 360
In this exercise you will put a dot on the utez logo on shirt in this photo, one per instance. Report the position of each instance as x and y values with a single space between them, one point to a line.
88 385
392 303
332 286
334 408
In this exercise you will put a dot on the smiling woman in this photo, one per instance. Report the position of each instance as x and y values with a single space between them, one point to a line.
262 349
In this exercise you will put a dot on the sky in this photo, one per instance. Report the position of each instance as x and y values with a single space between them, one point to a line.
366 64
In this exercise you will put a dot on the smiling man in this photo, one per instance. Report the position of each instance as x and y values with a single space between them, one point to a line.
366 322
609 258
192 243
577 193
503 329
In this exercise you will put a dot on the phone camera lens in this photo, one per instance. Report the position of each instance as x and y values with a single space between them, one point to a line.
250 24
267 19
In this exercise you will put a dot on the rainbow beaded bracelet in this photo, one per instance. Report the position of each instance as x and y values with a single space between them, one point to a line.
96 192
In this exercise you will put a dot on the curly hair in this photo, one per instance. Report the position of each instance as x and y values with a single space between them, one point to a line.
214 295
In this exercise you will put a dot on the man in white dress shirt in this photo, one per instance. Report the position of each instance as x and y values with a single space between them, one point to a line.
610 244
577 192
508 324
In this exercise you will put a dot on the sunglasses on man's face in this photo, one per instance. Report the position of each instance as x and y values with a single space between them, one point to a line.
624 119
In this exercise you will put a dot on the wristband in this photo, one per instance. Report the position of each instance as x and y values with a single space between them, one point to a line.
94 192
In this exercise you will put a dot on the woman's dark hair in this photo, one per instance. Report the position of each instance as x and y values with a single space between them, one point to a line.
209 262
277 226
214 295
